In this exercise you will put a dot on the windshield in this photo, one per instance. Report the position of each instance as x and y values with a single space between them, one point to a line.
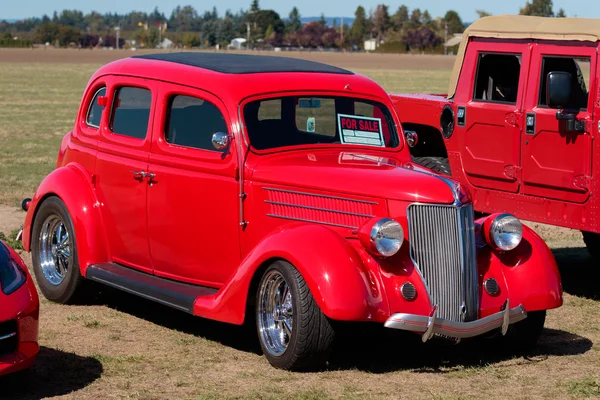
302 120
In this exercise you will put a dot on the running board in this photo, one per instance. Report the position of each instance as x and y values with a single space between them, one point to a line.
165 291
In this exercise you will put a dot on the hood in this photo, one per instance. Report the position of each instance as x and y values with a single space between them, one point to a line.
374 174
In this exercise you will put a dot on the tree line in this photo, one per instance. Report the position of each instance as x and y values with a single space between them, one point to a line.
400 30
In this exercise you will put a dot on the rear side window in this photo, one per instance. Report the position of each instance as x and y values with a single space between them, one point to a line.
131 111
94 113
192 123
579 68
497 78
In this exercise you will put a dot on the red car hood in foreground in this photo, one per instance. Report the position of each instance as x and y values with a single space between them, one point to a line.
372 174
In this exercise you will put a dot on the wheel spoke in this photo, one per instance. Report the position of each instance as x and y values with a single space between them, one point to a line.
65 239
287 327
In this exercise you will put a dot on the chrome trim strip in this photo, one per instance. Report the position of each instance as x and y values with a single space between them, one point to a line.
313 221
320 195
459 330
8 335
279 203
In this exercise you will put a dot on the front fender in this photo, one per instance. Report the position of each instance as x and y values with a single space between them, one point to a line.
328 263
74 186
527 275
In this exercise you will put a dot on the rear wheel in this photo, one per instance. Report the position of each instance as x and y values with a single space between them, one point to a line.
294 333
592 242
437 164
54 252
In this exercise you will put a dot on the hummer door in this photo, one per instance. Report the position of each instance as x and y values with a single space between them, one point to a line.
557 142
489 105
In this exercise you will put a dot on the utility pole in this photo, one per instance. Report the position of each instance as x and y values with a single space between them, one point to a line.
445 37
118 29
342 25
247 35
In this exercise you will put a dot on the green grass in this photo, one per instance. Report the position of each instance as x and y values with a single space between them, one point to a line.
39 103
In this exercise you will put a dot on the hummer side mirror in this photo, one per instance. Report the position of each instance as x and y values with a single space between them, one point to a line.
558 89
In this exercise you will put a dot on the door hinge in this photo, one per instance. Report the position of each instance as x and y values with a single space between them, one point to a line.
513 172
582 181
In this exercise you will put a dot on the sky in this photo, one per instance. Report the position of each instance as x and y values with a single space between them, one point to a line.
13 9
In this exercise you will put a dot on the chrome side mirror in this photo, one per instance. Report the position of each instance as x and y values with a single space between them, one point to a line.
411 138
220 140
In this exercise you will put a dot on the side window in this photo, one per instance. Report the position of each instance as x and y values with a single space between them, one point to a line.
578 68
131 111
497 78
94 113
316 115
269 109
192 122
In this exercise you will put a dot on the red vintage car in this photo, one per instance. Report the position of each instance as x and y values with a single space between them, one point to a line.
519 126
19 310
238 187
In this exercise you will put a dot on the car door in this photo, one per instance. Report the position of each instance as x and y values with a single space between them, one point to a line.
121 163
557 161
193 199
489 110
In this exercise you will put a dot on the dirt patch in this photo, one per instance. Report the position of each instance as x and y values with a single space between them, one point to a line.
345 60
10 218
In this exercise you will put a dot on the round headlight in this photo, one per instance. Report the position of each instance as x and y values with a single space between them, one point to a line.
386 237
506 232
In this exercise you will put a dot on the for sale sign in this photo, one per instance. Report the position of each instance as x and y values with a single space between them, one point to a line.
356 129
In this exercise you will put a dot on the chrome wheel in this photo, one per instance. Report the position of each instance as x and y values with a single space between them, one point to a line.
275 313
55 250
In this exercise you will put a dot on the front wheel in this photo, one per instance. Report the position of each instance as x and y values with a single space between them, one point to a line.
524 335
293 331
436 164
54 252
592 242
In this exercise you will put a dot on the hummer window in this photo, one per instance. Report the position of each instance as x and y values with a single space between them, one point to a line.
308 120
94 113
131 111
192 123
579 68
497 78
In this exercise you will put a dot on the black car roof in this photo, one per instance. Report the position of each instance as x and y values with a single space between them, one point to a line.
244 63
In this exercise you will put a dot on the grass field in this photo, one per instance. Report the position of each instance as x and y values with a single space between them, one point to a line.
120 346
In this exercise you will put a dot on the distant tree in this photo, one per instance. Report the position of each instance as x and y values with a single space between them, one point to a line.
322 20
209 33
400 18
415 17
225 31
68 35
294 24
152 37
71 18
359 27
254 7
538 8
185 19
453 22
381 21
421 38
425 18
47 33
190 40
561 14
482 13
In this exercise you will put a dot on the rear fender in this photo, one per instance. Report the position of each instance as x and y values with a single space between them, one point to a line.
328 263
527 275
74 186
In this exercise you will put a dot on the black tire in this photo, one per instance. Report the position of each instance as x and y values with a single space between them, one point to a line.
68 290
311 340
592 242
436 164
523 335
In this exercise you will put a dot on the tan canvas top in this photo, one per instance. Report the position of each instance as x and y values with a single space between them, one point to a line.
524 27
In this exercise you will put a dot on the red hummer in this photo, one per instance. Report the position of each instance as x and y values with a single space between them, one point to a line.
519 123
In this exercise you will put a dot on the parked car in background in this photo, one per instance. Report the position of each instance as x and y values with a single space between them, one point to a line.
238 187
519 127
19 310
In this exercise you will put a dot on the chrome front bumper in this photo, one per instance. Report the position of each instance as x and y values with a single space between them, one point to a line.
430 325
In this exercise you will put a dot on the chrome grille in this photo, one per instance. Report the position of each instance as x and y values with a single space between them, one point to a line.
442 246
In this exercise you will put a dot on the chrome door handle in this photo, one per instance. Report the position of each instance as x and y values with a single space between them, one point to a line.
150 175
138 174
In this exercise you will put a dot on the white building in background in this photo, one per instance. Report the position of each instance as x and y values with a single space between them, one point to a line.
371 45
237 43
165 44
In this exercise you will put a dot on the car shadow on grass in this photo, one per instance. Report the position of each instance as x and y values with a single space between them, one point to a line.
54 373
395 350
578 271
